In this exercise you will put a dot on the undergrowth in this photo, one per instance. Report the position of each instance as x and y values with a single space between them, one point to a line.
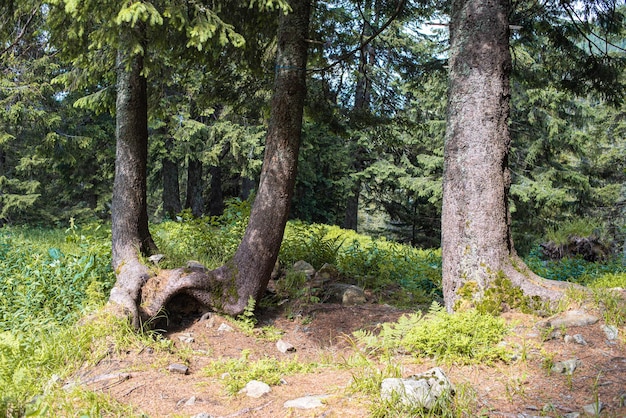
236 372
467 337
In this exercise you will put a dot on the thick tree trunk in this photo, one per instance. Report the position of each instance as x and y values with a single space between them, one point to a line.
476 238
194 199
171 185
129 216
229 287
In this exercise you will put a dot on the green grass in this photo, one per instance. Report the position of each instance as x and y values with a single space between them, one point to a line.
234 373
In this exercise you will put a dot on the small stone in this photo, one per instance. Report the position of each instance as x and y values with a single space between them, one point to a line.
610 331
186 338
284 346
304 267
225 328
206 316
178 368
578 339
224 375
566 367
306 402
576 318
256 389
191 401
156 258
572 415
593 409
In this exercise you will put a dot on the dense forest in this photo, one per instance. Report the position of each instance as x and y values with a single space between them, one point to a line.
374 122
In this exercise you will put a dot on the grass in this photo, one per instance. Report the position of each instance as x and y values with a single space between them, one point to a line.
235 373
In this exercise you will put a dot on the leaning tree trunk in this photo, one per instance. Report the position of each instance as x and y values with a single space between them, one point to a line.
229 288
476 237
129 216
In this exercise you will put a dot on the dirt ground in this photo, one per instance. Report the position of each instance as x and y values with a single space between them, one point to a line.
524 388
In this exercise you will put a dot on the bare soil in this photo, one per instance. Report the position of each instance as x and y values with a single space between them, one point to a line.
321 333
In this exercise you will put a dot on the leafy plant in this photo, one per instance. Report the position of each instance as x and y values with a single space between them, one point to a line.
467 337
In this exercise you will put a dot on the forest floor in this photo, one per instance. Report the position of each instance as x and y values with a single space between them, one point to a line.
321 334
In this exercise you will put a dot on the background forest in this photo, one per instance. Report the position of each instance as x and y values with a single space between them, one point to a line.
372 153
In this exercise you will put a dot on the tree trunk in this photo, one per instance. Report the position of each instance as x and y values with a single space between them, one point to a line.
171 186
351 217
129 216
476 238
194 199
216 198
229 288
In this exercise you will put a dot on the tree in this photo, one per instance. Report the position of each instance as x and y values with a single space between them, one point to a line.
230 287
476 237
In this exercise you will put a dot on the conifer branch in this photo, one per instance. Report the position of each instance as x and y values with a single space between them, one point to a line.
23 31
366 42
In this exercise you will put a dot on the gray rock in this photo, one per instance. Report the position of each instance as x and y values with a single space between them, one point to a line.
304 267
572 415
191 401
610 331
566 367
326 273
347 294
284 346
178 368
576 338
187 338
576 318
423 390
306 402
593 409
225 328
156 258
256 389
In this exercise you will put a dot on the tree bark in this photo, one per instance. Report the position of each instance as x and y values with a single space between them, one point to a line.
216 197
171 185
194 199
229 287
476 237
129 217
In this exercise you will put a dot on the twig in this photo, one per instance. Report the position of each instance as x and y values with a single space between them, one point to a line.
23 31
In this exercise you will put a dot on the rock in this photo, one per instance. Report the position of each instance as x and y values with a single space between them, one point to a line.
610 331
424 390
576 318
593 409
304 267
186 338
256 389
306 402
178 368
326 273
156 258
225 328
195 265
347 294
566 367
202 415
284 346
191 401
572 415
576 338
